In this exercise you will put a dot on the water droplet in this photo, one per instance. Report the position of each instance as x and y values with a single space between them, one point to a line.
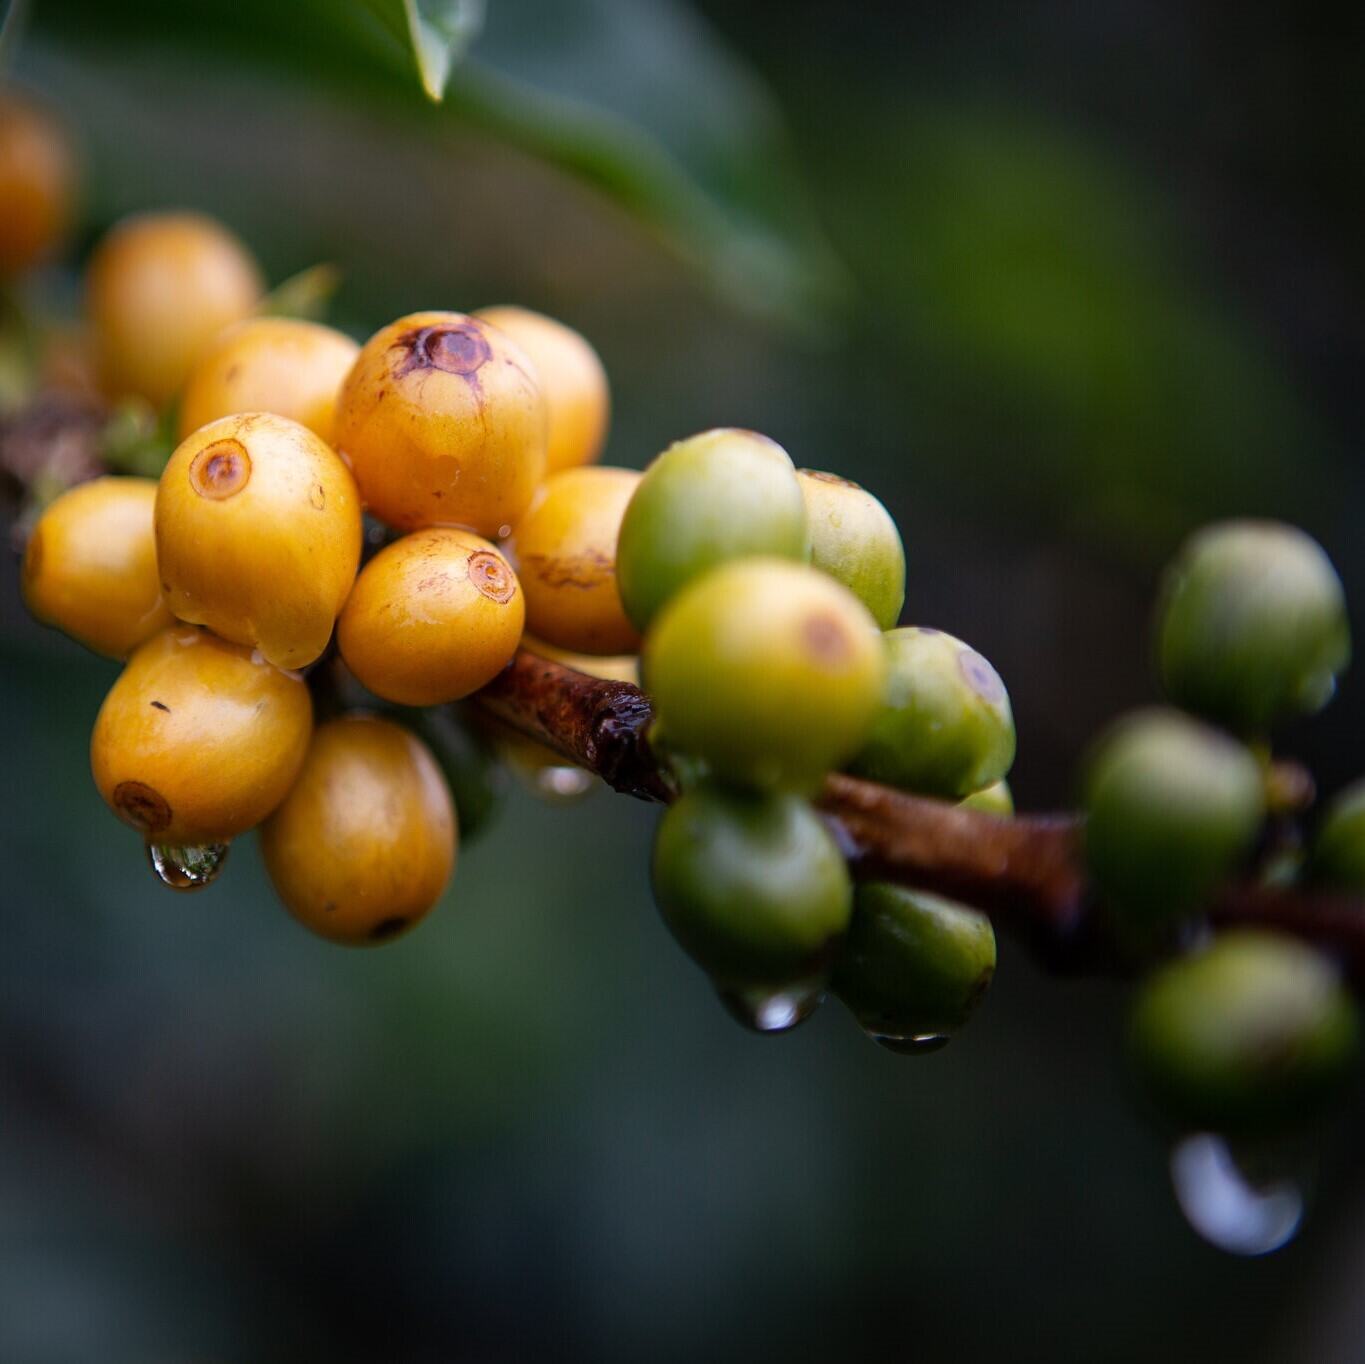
917 1044
766 1010
1225 1206
187 868
563 783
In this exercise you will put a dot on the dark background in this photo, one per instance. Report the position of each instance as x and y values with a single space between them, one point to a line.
1085 275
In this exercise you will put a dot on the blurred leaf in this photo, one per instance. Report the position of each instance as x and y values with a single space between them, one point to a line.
638 99
304 295
12 15
439 32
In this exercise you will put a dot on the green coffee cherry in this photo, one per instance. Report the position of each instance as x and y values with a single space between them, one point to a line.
768 670
1252 625
1251 1033
722 495
855 541
1339 849
1171 807
751 885
915 966
996 799
944 727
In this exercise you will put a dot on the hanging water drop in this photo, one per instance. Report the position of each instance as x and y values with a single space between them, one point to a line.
1225 1205
563 783
916 1044
187 868
766 1010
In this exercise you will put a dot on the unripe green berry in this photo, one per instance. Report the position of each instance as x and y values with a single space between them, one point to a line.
721 495
751 885
996 799
1171 807
944 727
855 541
915 965
1252 625
768 670
1339 849
1250 1033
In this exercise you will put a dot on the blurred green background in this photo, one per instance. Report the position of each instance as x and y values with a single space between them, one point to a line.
1058 282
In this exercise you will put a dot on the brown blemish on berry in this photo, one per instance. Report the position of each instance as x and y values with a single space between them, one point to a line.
317 497
388 928
161 705
980 676
459 348
491 576
585 571
138 804
826 637
821 477
220 470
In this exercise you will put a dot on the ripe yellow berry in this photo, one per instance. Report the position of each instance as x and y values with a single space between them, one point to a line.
198 740
270 364
90 566
37 183
258 535
160 287
577 401
364 843
566 560
432 618
442 419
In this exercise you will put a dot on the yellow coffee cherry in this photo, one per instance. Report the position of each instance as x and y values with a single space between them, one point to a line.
90 566
566 560
572 379
432 617
608 667
199 740
159 288
365 842
258 534
270 364
442 419
37 183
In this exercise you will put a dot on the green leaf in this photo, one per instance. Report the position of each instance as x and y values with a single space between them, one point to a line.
305 295
438 31
639 100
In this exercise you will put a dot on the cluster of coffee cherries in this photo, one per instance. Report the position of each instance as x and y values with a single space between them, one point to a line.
1247 1030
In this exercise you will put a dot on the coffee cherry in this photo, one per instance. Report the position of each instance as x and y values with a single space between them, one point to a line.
1252 625
1253 1032
443 422
572 380
995 799
364 843
751 885
944 727
722 495
432 617
270 364
855 541
1171 807
90 566
159 288
37 183
198 740
258 534
1339 849
609 667
915 966
566 561
768 670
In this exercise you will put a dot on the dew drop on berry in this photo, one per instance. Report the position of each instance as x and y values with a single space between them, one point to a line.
1228 1206
767 1011
187 868
914 1044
